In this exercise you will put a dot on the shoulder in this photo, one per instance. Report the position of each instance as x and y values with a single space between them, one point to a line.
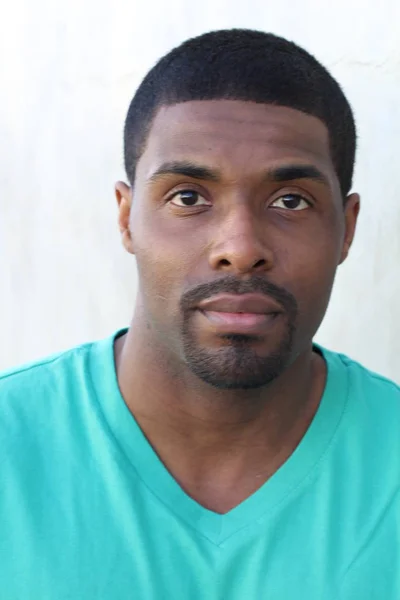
33 393
372 413
361 381
26 377
370 385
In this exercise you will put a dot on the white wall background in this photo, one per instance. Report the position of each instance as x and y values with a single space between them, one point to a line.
68 70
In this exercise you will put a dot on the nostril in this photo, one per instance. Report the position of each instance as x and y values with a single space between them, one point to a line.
225 262
260 263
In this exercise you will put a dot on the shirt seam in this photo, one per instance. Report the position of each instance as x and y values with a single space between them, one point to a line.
110 433
365 544
42 363
309 473
271 509
349 363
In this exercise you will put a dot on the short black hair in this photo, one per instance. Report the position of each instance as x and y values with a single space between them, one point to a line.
242 64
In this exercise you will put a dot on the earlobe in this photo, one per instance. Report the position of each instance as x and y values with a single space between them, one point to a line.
351 210
123 194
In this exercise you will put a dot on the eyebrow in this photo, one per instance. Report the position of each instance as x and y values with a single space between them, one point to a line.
295 172
282 174
186 169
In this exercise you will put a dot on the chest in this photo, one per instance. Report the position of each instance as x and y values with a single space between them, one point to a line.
129 544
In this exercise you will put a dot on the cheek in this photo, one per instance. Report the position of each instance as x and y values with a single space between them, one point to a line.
165 260
310 272
166 246
157 274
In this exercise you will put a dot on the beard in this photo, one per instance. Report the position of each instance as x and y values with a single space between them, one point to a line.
236 364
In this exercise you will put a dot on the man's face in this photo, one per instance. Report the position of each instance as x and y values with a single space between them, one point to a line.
238 225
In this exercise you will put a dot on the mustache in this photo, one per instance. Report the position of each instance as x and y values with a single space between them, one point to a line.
232 285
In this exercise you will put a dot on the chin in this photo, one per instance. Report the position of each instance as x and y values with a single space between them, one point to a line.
237 368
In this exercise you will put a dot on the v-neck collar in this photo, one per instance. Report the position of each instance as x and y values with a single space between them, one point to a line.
152 472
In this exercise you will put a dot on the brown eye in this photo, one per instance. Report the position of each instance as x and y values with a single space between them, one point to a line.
291 202
188 198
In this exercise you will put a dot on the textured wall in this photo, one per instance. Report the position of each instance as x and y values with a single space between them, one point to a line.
68 71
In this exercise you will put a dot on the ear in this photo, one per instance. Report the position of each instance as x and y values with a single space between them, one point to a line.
351 211
123 194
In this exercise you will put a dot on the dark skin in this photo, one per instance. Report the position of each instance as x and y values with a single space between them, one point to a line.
233 210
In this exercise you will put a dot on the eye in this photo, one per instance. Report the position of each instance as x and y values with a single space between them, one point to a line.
291 202
188 198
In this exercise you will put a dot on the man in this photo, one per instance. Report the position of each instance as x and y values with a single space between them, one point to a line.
212 451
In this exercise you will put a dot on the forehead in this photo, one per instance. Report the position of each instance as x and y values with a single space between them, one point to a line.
235 136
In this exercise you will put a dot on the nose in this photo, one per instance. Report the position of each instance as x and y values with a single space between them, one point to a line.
240 244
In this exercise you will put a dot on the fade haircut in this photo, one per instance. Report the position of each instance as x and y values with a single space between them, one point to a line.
241 64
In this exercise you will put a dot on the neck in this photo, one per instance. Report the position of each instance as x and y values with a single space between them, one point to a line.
220 445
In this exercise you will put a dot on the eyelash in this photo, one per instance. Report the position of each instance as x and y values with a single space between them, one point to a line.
185 191
194 191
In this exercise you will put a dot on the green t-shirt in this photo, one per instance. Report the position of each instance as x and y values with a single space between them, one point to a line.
89 512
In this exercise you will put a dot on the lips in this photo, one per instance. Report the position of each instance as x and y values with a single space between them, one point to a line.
257 304
245 314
